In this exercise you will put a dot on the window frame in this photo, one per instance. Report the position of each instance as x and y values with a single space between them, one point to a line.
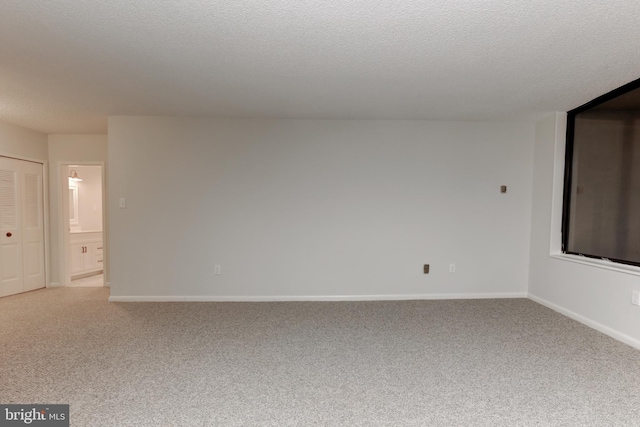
568 169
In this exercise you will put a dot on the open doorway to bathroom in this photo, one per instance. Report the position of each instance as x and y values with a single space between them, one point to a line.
84 239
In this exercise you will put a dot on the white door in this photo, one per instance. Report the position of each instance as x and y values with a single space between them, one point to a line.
32 226
21 226
11 280
77 258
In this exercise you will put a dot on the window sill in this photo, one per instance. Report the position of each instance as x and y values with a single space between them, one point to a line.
599 263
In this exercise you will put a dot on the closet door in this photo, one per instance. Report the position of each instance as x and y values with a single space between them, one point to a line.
11 280
21 227
32 226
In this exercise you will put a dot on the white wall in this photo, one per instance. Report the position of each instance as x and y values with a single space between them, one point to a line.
318 208
594 295
89 198
68 149
19 142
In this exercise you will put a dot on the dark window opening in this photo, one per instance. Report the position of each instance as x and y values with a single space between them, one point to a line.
601 210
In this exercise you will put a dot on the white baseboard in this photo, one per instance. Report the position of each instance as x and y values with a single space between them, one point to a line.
213 298
591 323
54 285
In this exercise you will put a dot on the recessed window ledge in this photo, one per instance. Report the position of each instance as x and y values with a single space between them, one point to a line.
600 263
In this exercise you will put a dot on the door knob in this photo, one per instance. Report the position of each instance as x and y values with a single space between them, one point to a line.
9 234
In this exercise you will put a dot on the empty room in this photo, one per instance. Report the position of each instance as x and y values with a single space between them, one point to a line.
298 213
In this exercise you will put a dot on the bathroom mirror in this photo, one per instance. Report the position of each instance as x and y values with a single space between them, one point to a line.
73 205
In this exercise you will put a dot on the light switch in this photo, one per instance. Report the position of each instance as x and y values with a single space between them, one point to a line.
123 202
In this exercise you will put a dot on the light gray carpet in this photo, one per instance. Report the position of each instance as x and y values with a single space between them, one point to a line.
405 363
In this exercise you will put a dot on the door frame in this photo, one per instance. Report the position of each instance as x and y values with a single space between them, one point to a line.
63 220
45 210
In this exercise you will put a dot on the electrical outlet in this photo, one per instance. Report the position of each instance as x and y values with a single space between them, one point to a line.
217 269
122 202
635 297
452 268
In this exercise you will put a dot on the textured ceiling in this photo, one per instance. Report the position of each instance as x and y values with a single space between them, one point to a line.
66 65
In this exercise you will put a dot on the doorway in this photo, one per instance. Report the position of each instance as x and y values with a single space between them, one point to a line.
83 219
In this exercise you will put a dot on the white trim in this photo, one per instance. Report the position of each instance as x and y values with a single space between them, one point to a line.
590 323
63 232
558 183
267 298
599 263
47 237
105 227
54 285
26 159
